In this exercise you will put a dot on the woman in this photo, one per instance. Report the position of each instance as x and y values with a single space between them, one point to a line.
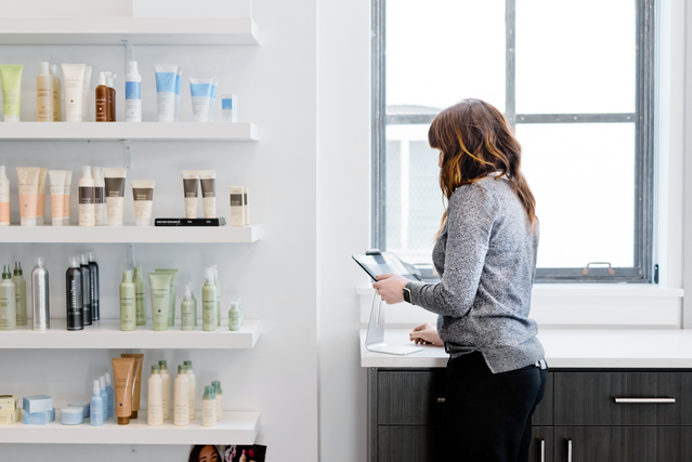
485 253
208 453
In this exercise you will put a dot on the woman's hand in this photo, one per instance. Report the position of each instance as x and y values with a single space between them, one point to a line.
426 334
390 288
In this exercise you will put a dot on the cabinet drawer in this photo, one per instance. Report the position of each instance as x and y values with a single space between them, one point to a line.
408 443
541 449
589 398
410 397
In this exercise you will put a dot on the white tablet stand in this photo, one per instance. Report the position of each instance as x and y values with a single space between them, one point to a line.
374 340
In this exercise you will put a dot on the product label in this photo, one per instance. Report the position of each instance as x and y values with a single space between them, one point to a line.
102 108
133 90
86 194
209 187
115 187
209 412
143 194
166 102
100 196
128 318
44 100
227 103
191 187
209 307
8 317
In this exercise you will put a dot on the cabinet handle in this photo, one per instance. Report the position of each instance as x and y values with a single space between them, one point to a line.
440 400
644 400
542 451
569 450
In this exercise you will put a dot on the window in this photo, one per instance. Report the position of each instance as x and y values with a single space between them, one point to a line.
575 81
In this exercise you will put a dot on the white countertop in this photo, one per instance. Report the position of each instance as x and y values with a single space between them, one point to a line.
566 349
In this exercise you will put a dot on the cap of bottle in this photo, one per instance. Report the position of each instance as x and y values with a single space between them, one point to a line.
209 275
74 262
97 387
163 365
54 69
109 79
188 365
97 173
18 268
3 171
102 379
182 370
138 271
188 292
39 262
85 259
132 67
108 379
86 171
102 78
6 273
92 258
217 387
209 392
155 370
45 68
127 276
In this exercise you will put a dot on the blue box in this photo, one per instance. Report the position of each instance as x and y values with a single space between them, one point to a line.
39 418
38 403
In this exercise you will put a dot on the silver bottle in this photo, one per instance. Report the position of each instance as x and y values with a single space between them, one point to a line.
40 296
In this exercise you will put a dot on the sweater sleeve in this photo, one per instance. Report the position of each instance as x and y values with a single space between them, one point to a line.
470 217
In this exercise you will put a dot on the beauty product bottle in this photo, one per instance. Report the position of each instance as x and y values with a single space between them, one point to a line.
219 399
187 310
40 300
73 286
87 210
133 93
110 77
68 195
4 197
100 217
166 396
128 312
178 85
194 300
218 295
57 94
95 288
191 377
111 395
41 205
101 98
181 404
155 397
104 397
235 316
20 293
8 313
96 407
243 457
86 82
44 94
209 303
86 290
140 296
209 407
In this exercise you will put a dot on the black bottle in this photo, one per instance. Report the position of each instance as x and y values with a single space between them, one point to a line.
95 296
86 291
73 289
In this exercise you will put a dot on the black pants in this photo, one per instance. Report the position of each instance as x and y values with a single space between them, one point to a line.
487 417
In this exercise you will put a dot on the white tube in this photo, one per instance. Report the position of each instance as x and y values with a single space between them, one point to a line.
200 91
68 203
143 194
58 180
165 90
208 180
114 179
73 76
28 194
85 93
178 84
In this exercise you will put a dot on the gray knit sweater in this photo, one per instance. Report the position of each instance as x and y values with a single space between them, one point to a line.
486 257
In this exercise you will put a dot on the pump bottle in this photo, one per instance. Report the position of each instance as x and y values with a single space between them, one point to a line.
20 293
133 93
181 405
155 397
111 396
101 98
209 302
57 94
96 407
8 313
44 94
87 210
4 197
166 381
218 295
73 285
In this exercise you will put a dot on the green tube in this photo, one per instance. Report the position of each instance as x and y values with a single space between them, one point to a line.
160 289
171 300
11 76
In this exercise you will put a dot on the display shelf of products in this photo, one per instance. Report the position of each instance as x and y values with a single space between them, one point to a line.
107 334
237 427
130 234
139 31
117 131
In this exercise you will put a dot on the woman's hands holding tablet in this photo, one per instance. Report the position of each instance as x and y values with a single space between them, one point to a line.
390 288
426 334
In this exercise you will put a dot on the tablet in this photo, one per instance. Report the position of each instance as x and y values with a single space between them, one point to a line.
375 263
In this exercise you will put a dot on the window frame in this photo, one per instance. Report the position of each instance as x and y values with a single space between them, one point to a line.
643 270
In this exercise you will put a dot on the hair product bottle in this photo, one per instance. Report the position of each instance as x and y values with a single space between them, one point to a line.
20 293
8 313
86 86
128 312
191 377
155 397
101 98
86 290
111 96
100 218
95 288
166 383
219 399
218 295
44 94
181 405
4 197
235 316
73 285
96 407
87 211
209 407
194 299
140 296
39 296
133 93
209 303
57 94
111 396
104 396
187 310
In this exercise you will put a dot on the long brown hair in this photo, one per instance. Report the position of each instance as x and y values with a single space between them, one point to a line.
476 140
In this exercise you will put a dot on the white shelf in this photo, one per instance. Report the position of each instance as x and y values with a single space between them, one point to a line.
237 427
107 334
139 31
130 234
116 131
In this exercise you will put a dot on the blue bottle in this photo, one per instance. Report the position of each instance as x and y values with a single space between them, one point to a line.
104 396
111 396
96 416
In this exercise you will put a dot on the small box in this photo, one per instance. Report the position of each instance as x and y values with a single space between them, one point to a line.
8 402
85 404
37 403
39 418
10 417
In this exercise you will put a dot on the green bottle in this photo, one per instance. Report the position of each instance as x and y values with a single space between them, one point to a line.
128 311
140 296
209 303
218 295
194 300
187 310
19 294
235 316
8 312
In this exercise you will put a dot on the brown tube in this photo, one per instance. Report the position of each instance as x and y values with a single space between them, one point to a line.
123 372
137 389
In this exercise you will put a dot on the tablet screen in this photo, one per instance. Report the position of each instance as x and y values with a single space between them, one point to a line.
382 263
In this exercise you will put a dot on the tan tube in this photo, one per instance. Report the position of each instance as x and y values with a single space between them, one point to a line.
124 373
137 389
28 194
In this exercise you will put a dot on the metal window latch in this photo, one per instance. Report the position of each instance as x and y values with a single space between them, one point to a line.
585 271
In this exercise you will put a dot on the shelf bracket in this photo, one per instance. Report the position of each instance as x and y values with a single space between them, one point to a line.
130 52
127 155
130 251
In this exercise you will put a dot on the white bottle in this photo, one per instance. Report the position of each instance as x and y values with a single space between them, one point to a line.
99 197
219 399
133 93
57 93
208 407
87 215
155 397
44 94
166 380
181 398
4 197
191 378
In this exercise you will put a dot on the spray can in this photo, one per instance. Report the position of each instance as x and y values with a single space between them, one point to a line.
73 285
39 296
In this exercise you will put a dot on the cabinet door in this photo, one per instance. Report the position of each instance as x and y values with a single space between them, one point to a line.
408 443
541 449
410 397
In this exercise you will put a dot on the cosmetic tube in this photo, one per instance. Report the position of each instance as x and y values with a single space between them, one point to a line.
219 399
212 100
166 385
137 388
57 196
208 180
133 93
173 293
187 311
191 191
114 180
4 197
166 75
128 313
40 300
229 107
87 206
41 206
178 84
73 75
181 398
143 194
237 205
28 194
96 412
86 86
73 285
140 296
200 92
101 99
155 397
57 94
100 215
209 407
19 293
11 76
123 370
209 302
8 301
44 94
68 195
111 395
192 386
95 288
160 289
86 290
